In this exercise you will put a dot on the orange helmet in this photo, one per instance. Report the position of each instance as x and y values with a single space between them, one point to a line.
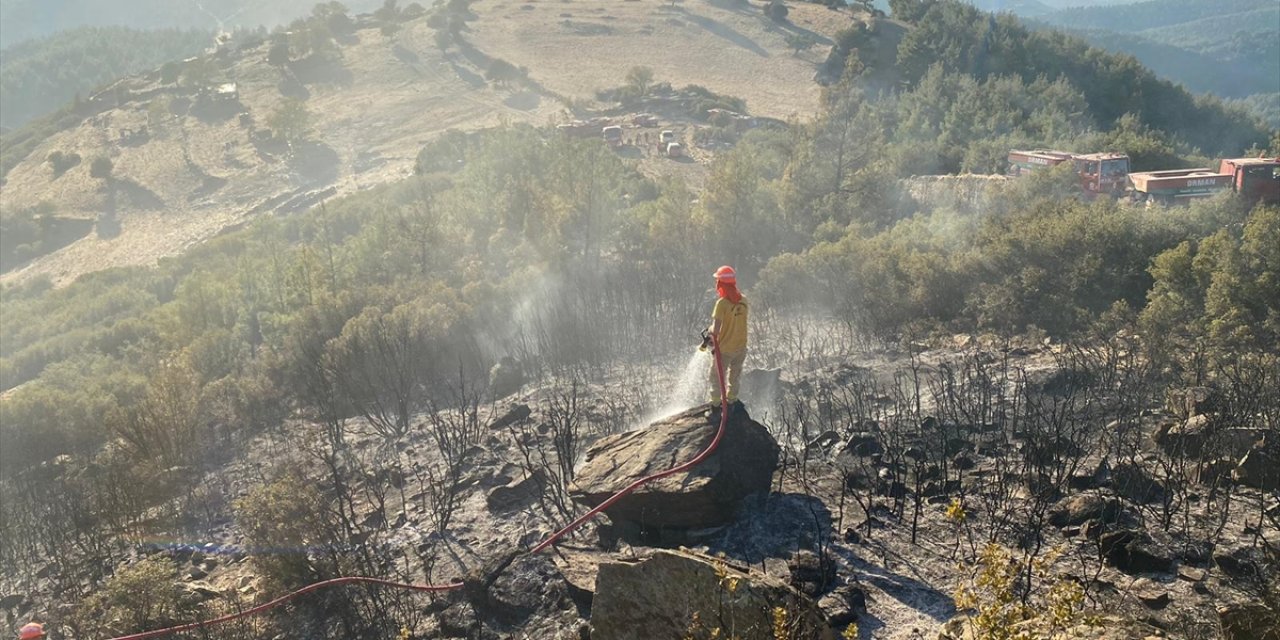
31 631
726 274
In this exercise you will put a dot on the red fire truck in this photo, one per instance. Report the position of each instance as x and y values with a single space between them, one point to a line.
1100 173
1255 179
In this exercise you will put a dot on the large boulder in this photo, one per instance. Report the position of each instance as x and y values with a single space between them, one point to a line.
1186 438
1133 552
676 594
1259 468
1078 509
1192 401
1135 483
704 496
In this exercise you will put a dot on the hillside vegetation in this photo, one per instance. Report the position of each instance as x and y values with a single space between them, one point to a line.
1229 49
30 19
309 374
39 76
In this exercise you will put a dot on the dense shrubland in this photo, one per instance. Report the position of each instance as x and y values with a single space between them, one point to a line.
124 388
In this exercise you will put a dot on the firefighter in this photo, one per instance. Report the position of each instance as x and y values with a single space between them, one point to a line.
31 631
729 329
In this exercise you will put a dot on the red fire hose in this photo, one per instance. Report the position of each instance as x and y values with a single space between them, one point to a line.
715 442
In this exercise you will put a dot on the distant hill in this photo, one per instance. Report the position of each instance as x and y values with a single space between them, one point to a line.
1139 16
1036 8
1229 49
1024 8
38 76
27 19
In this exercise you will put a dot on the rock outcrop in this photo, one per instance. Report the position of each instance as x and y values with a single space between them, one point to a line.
704 496
674 594
1078 509
1133 552
1260 467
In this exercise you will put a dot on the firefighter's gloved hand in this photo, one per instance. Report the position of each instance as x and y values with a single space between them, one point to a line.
706 342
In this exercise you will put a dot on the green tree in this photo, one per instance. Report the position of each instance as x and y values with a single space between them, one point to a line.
502 73
800 41
279 53
139 597
199 73
776 10
290 513
384 359
101 168
291 121
909 10
638 81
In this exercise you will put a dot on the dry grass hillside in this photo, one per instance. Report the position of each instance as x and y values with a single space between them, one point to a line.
205 165
575 47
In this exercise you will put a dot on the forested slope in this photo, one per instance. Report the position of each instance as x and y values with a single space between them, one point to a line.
278 385
39 76
1229 49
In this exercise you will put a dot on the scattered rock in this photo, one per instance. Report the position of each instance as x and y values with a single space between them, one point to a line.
675 594
1260 469
1107 628
1196 553
956 446
459 620
1215 472
530 584
1187 438
1155 600
1249 622
863 443
12 601
517 493
1078 509
704 496
375 520
1238 441
1191 574
578 568
1090 477
1236 564
506 377
201 591
1132 552
1134 483
515 414
1192 401
1093 529
844 605
822 442
811 574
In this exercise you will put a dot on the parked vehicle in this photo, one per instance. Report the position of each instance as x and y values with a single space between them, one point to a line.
1255 179
612 135
1100 173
